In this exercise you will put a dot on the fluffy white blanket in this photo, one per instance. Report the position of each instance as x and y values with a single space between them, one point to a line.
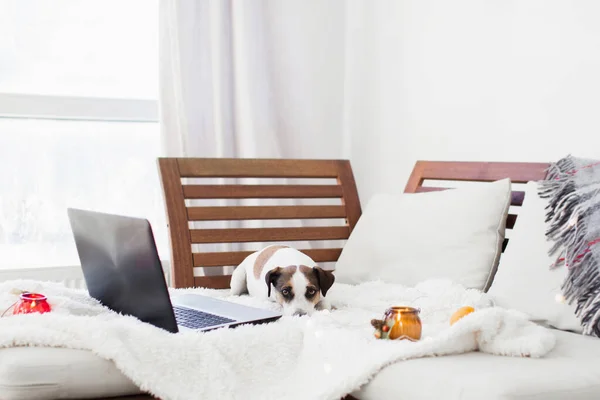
325 356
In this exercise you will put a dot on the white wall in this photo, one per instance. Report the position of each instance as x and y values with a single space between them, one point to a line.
306 60
499 80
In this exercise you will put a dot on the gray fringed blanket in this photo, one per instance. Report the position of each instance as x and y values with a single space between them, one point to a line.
573 189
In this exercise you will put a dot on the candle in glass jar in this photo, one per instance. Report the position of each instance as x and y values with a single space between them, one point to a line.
32 303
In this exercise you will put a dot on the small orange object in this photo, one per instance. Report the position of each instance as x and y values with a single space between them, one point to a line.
461 312
385 328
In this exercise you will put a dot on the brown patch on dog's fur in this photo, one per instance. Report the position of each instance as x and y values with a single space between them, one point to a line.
310 275
320 278
313 281
263 257
280 278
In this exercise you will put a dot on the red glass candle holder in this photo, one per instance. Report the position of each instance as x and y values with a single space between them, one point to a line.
32 303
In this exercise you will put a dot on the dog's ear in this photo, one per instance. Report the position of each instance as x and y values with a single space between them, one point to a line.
271 277
325 278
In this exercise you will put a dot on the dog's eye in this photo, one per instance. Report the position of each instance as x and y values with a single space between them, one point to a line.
285 292
311 291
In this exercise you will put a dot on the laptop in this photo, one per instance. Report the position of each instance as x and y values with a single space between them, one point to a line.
122 270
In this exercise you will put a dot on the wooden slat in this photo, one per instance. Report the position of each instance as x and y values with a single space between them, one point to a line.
241 235
350 199
511 219
213 282
425 189
220 259
261 191
234 258
518 172
516 198
474 171
257 168
264 212
179 234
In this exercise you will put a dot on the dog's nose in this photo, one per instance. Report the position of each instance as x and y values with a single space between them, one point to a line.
300 313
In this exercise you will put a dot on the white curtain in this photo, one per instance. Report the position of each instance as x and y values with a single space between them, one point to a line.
381 82
253 78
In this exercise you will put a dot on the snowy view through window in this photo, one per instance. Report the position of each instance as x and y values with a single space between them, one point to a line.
80 49
47 166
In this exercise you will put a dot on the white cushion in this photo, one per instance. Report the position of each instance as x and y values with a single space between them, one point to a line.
28 373
524 280
408 238
570 371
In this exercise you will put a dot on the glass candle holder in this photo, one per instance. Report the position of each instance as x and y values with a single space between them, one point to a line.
399 323
32 303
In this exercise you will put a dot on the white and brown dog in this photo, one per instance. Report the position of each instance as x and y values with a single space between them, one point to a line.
286 276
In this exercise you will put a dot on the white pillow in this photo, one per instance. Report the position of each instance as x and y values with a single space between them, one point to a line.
524 280
405 238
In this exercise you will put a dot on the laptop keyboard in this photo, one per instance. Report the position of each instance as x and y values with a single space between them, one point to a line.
195 319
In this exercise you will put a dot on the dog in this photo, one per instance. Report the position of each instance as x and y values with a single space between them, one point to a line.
286 276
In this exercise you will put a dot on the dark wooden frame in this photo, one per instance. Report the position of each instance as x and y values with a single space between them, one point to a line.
173 169
183 261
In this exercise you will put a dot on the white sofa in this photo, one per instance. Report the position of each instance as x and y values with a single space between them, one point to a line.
570 371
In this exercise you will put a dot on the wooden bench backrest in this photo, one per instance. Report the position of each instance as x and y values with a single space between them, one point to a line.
179 214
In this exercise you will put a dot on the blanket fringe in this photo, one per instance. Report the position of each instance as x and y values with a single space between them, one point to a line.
566 215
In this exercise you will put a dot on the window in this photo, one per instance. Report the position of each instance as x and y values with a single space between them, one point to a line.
101 48
78 122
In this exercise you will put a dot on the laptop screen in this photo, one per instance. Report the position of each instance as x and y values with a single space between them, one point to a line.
121 266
